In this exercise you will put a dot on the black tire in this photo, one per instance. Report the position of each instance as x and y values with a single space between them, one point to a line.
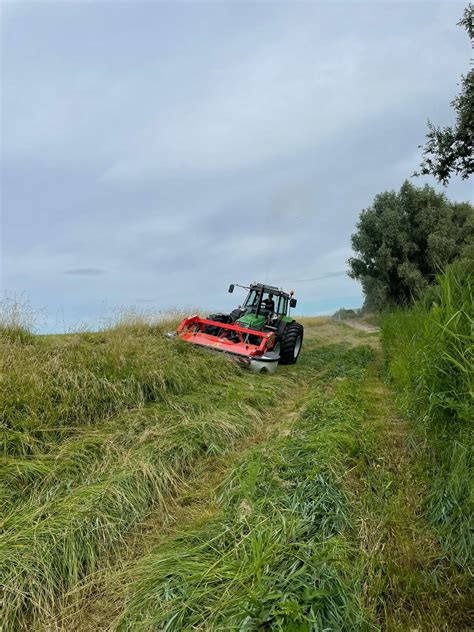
291 343
218 318
236 314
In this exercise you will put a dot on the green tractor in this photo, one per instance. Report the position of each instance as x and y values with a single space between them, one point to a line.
266 309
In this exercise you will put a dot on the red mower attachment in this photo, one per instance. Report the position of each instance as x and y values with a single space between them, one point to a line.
251 348
258 334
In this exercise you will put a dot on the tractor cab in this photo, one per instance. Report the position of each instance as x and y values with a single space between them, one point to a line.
264 307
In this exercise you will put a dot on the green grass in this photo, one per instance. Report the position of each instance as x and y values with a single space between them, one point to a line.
99 429
409 582
54 387
282 554
430 355
311 508
318 528
17 320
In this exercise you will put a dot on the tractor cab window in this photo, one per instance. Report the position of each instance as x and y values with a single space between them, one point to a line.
281 305
276 304
251 300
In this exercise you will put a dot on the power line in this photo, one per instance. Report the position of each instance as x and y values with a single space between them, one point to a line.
328 275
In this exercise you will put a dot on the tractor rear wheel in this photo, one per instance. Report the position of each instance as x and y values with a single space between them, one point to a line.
291 342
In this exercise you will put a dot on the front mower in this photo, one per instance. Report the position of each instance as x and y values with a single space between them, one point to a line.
259 334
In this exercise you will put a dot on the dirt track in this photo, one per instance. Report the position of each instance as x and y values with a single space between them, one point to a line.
370 329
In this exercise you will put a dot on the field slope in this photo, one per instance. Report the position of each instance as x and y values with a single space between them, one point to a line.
147 485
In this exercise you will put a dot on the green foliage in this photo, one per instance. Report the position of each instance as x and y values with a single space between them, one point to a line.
404 239
346 314
430 352
450 150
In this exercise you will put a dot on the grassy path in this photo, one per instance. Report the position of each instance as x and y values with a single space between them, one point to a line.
92 604
409 585
89 605
311 521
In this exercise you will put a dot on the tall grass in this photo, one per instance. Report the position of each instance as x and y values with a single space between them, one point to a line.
51 387
430 356
17 319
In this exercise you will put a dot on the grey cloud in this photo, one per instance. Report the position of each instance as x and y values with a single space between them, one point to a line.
244 154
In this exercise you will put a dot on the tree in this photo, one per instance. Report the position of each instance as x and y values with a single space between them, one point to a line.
404 239
449 150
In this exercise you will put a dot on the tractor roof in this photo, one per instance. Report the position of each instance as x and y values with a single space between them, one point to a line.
269 288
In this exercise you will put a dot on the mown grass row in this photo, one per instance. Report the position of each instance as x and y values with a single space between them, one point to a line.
409 583
48 546
72 519
430 354
282 554
82 510
63 400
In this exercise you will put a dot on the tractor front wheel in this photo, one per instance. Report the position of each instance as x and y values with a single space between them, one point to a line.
217 318
236 314
291 343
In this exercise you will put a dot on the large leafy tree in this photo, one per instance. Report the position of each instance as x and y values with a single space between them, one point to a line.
450 150
404 239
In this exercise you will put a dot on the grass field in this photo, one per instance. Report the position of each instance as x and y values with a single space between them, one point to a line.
148 485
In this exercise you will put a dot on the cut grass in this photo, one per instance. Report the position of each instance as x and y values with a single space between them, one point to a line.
335 494
82 482
281 554
83 506
317 525
409 583
51 389
320 528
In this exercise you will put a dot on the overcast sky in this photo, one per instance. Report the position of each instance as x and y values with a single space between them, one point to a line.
153 152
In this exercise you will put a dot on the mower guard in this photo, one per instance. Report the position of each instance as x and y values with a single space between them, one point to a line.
250 347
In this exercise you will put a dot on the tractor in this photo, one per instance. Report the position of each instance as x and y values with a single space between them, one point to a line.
259 334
